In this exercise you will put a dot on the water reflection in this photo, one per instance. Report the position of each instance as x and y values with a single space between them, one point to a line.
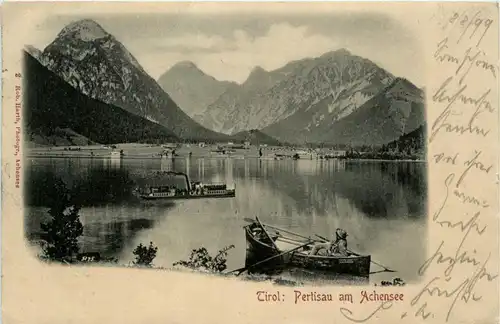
115 163
378 203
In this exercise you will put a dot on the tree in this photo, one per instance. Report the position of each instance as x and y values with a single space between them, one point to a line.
64 228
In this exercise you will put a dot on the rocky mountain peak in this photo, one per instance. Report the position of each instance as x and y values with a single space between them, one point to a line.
257 76
185 65
85 29
337 53
342 51
258 70
191 88
184 68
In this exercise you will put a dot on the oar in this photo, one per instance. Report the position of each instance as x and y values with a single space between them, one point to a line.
289 240
267 234
385 268
321 237
279 229
241 270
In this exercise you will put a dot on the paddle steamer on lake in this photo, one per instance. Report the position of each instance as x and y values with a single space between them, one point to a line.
176 185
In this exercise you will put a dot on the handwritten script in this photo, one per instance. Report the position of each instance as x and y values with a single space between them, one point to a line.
461 146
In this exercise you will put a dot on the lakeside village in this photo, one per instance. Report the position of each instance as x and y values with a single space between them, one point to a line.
231 150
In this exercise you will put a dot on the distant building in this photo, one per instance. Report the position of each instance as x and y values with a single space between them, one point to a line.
236 146
339 153
170 146
304 155
247 144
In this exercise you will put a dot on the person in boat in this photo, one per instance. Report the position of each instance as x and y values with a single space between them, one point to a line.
336 247
259 234
198 186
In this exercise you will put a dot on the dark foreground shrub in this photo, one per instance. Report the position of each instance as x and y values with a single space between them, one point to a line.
144 256
200 259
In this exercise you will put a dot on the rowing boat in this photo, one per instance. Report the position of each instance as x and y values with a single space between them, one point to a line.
260 247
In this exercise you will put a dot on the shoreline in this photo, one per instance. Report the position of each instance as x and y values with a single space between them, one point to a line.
234 157
149 152
385 160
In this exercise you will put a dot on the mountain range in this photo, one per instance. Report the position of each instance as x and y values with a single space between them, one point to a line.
338 81
336 98
96 64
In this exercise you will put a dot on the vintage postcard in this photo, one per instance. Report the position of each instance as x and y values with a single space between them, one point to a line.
250 162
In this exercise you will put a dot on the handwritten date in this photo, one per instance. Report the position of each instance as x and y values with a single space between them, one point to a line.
474 25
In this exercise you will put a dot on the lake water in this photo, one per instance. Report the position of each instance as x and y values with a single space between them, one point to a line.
382 206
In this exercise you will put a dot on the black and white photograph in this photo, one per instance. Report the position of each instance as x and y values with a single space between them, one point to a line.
279 147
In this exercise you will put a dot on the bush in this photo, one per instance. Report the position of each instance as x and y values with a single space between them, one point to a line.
200 259
144 256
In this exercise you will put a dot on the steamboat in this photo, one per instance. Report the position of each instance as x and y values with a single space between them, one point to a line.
177 185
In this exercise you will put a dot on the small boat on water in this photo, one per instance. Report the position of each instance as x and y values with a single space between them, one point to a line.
269 242
176 185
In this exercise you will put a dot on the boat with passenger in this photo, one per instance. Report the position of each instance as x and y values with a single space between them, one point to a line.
266 242
176 185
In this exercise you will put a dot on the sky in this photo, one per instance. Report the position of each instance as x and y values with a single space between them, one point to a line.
229 46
